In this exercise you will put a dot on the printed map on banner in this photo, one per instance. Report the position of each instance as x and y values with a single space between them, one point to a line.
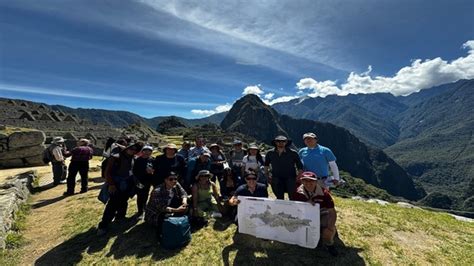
281 220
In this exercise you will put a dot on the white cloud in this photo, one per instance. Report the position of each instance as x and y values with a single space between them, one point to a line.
219 109
252 90
421 74
280 100
81 95
268 96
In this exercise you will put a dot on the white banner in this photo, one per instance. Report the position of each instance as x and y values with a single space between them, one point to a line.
289 222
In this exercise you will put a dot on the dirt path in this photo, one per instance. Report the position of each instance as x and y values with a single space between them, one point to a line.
48 211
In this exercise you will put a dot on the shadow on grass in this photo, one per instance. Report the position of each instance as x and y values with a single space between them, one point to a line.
47 202
273 252
137 242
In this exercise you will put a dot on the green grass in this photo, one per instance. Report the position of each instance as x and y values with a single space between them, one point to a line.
369 234
14 239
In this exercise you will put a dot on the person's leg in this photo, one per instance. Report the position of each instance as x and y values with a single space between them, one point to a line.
71 178
109 211
290 187
57 172
84 172
278 188
142 195
122 205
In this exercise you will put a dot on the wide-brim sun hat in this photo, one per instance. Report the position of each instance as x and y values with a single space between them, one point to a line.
58 140
281 138
205 173
170 146
214 145
253 146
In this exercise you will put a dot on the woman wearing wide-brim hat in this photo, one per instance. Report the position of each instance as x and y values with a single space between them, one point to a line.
205 196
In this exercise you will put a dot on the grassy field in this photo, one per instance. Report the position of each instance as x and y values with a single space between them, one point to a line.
62 230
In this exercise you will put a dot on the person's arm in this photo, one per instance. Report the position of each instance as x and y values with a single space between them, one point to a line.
215 193
267 168
58 155
335 171
234 201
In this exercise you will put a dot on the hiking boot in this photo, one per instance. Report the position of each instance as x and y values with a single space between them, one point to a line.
332 250
68 193
83 191
101 232
63 181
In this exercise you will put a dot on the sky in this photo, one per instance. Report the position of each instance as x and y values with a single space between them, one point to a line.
196 58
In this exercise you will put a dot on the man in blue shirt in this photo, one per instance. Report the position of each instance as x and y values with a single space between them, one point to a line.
318 159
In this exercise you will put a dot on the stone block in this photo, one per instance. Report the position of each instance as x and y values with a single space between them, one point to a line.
23 152
26 139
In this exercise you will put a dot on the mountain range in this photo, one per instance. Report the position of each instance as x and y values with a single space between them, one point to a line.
428 133
250 116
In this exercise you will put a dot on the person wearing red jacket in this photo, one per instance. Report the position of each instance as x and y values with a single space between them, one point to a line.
310 191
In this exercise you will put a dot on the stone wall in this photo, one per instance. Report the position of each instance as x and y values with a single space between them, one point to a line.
20 147
13 192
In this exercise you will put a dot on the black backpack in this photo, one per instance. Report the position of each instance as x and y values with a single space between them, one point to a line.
47 155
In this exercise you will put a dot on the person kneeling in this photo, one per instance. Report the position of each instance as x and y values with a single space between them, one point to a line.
310 191
250 189
168 199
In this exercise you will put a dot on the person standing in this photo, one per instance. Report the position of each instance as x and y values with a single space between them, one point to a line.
120 186
143 172
168 162
79 163
58 160
236 155
318 159
199 149
254 161
184 151
285 163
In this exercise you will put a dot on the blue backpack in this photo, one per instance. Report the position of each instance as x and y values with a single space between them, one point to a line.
176 232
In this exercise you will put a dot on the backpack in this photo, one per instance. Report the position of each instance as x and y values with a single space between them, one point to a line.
47 155
176 232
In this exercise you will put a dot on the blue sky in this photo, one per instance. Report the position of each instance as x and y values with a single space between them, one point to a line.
195 58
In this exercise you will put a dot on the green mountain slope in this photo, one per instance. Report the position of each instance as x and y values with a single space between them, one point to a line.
250 116
437 142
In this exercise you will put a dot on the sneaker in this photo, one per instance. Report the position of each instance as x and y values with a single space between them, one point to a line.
101 232
332 250
83 191
63 182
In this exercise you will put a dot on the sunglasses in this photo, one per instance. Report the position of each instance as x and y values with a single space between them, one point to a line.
281 141
251 178
173 179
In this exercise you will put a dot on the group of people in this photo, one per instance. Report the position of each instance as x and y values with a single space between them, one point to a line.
80 156
203 181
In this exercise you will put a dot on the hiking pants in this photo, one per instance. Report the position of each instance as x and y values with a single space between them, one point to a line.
83 169
142 197
58 172
116 207
282 185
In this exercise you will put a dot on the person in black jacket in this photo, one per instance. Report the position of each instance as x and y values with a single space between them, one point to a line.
168 162
285 163
143 172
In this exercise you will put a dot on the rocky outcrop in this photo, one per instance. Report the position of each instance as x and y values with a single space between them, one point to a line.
13 192
19 147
